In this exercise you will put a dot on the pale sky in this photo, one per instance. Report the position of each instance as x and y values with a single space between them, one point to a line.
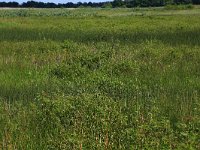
57 1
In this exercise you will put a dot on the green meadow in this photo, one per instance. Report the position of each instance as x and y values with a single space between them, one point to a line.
100 79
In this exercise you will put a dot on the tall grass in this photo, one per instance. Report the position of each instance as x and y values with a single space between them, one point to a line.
99 81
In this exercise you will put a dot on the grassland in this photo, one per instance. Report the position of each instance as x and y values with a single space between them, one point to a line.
100 79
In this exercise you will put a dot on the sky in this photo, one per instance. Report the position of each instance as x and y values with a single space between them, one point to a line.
57 1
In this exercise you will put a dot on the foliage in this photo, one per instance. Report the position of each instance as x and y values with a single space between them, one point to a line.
99 79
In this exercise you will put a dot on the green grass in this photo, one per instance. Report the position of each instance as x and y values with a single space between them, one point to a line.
100 79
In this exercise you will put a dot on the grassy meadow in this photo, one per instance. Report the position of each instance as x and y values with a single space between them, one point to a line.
100 79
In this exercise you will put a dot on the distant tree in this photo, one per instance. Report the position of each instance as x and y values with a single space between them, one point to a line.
118 3
196 1
69 5
107 5
51 5
41 5
185 1
30 4
13 4
79 4
90 4
9 4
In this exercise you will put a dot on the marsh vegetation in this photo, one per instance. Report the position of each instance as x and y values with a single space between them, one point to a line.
100 79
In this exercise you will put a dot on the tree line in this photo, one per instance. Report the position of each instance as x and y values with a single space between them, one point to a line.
113 4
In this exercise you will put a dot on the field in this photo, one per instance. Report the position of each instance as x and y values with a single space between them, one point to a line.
100 79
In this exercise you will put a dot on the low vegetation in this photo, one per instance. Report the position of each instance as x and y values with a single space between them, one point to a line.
100 79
